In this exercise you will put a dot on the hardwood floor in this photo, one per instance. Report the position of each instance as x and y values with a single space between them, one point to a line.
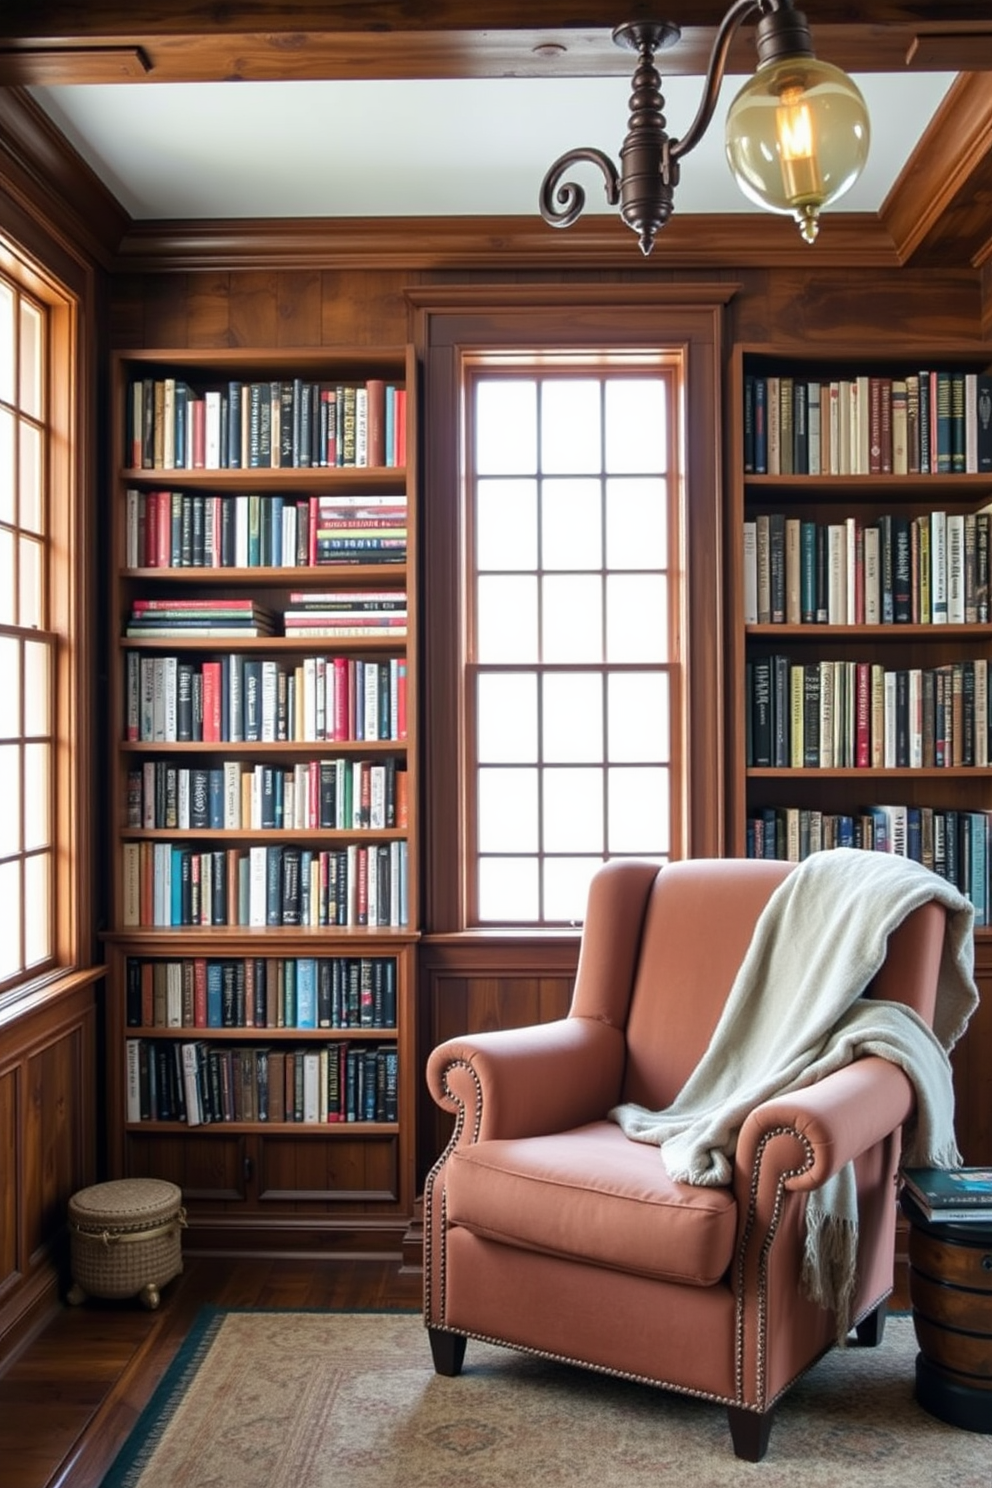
69 1400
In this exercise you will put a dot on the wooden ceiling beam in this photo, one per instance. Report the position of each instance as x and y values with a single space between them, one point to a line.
315 39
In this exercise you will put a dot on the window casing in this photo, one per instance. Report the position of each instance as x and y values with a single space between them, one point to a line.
459 330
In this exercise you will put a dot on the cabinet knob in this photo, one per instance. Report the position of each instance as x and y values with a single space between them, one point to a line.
247 1169
987 1262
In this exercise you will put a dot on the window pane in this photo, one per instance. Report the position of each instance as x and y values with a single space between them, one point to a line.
10 687
636 524
31 349
30 512
10 792
6 343
507 811
508 891
507 619
30 607
571 524
636 433
7 590
38 898
570 427
37 785
507 718
572 618
638 721
566 888
10 918
37 688
639 820
637 618
7 511
506 524
572 717
573 811
506 427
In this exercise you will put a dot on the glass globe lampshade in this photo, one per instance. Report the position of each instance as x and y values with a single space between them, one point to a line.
797 138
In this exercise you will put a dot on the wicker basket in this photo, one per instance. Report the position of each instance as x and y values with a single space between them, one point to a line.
125 1239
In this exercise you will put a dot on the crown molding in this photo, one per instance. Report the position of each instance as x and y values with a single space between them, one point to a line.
42 172
944 168
596 242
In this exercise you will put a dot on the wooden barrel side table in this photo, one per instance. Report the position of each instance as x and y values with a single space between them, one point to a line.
950 1286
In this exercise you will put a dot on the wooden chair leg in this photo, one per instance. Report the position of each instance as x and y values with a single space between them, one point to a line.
448 1351
749 1432
871 1328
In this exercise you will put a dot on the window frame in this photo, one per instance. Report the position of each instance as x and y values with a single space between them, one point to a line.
63 578
453 325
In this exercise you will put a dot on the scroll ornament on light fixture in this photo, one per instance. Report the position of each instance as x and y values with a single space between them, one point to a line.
796 138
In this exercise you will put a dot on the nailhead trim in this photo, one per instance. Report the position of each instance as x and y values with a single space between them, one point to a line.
433 1175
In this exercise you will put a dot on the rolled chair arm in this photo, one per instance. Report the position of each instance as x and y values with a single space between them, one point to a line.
527 1082
827 1124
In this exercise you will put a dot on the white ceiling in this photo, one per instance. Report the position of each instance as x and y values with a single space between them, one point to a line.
415 147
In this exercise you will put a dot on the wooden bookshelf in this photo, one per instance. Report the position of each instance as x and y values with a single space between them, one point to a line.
294 981
843 789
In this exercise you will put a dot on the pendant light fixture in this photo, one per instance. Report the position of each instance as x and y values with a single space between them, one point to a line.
796 139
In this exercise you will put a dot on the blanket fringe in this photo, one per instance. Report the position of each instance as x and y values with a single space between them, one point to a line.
829 1265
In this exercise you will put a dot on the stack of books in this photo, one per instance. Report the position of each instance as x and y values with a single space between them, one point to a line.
199 617
360 529
951 1195
347 612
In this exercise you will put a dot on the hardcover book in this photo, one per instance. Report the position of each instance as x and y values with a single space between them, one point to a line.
953 1195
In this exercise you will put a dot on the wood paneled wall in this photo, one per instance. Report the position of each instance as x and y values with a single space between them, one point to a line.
48 1084
471 983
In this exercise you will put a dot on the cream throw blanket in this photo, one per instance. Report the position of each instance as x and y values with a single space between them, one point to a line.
795 1013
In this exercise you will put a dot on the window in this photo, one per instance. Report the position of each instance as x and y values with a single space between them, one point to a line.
571 637
573 681
36 715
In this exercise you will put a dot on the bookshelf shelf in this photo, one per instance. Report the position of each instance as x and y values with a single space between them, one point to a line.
199 541
306 1130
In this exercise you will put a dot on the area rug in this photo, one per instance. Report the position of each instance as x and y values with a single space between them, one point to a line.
350 1400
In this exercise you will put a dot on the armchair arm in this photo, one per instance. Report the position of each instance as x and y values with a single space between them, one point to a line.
525 1082
826 1125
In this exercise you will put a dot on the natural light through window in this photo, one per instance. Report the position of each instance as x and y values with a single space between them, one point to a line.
27 649
572 678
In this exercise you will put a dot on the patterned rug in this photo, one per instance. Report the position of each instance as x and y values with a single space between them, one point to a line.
350 1400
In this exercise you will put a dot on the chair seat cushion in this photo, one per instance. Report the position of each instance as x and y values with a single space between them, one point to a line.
594 1195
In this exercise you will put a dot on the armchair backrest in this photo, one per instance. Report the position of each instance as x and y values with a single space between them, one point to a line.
697 928
661 949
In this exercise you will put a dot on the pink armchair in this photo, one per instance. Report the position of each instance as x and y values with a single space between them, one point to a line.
548 1230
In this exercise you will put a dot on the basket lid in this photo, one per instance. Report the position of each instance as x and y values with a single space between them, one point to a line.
125 1203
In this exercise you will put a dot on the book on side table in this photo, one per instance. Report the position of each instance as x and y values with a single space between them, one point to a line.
951 1195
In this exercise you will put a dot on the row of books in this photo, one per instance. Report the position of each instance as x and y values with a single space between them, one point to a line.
189 529
862 715
287 423
191 617
342 613
243 699
337 794
201 1083
932 569
304 992
173 884
926 422
953 844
